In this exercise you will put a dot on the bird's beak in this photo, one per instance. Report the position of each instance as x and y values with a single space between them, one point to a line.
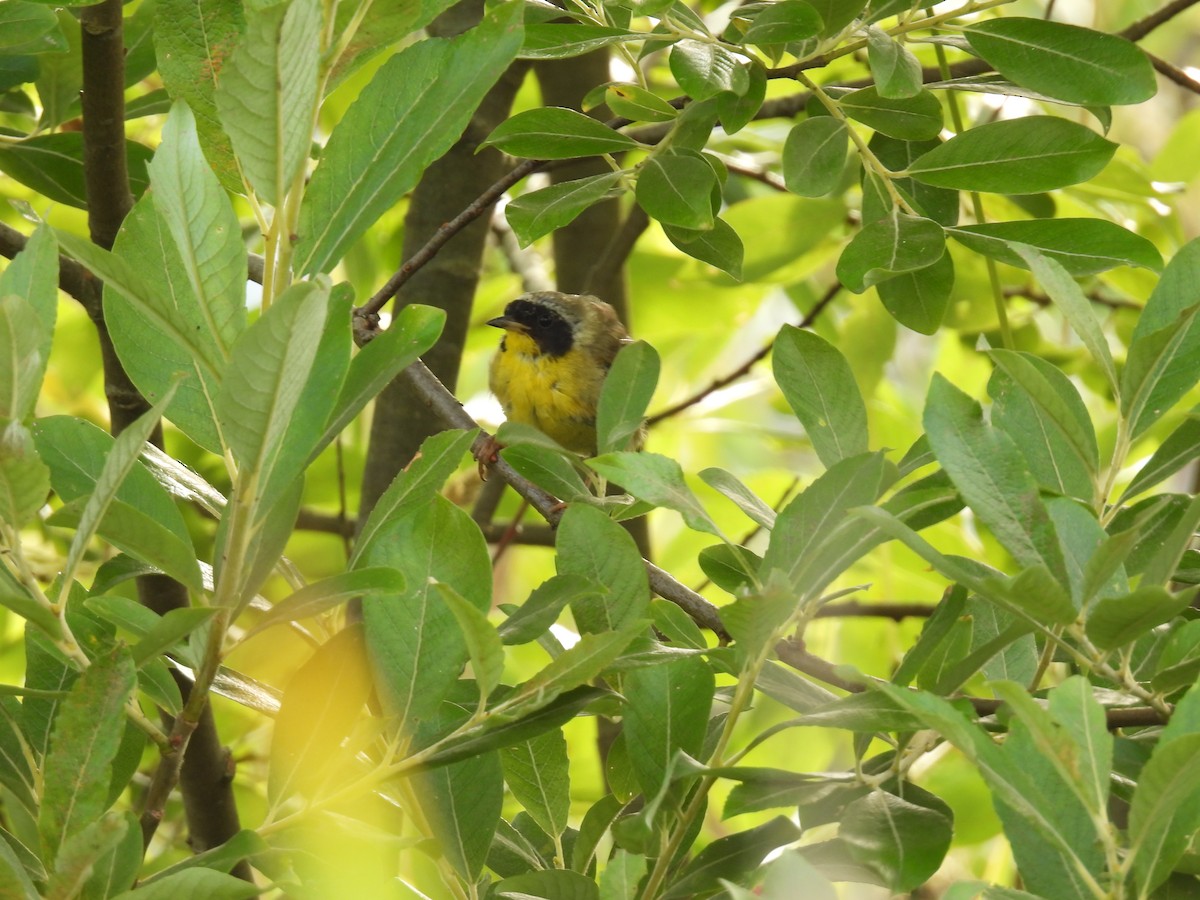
507 324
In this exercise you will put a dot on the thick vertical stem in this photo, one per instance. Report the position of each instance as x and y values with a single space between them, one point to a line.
206 777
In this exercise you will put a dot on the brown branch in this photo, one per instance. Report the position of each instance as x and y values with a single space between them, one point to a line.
326 523
745 368
1035 296
801 660
105 168
621 245
1144 26
1172 73
895 611
473 211
73 279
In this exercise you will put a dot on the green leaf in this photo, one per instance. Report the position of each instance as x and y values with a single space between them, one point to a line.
820 387
1009 778
267 94
24 478
484 648
677 190
893 245
1164 356
532 619
1116 621
323 595
658 480
1179 448
593 546
896 71
627 390
919 299
736 111
667 709
1168 548
572 668
192 40
639 104
867 712
192 884
1064 61
201 220
814 156
549 884
504 731
554 40
783 22
730 568
1057 402
537 772
732 857
900 841
1080 246
538 213
29 28
1051 459
123 276
621 876
553 132
269 366
177 333
728 485
718 246
413 331
245 844
940 204
1073 706
754 619
1075 307
915 118
85 852
16 765
87 733
52 165
414 487
323 702
811 518
174 626
416 647
703 69
30 305
414 109
120 461
989 471
1162 816
1016 156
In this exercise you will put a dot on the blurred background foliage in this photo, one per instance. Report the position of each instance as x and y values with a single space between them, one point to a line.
705 326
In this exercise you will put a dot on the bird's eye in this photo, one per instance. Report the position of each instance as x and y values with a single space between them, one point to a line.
544 319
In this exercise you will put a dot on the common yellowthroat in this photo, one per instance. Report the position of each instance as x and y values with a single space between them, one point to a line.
552 361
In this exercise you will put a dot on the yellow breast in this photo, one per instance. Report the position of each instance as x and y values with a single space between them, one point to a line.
555 394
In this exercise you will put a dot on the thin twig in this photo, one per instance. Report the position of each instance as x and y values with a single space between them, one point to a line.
474 210
1144 26
857 609
1172 73
745 368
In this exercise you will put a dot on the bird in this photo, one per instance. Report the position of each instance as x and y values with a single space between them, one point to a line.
552 361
